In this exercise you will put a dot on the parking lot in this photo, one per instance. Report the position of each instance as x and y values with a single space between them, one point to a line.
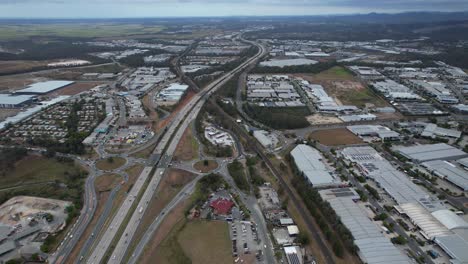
246 247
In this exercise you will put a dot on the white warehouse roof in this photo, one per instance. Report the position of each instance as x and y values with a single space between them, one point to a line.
441 151
374 247
8 99
309 161
449 172
450 219
44 87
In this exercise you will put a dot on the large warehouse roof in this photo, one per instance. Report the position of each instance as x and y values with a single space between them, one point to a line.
309 161
450 219
8 99
44 87
394 182
373 130
373 246
441 151
455 245
448 171
422 218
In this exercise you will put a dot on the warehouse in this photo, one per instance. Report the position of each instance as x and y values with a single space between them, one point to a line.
373 246
394 182
395 91
309 162
422 153
433 131
44 87
418 109
448 172
11 101
358 118
384 133
267 140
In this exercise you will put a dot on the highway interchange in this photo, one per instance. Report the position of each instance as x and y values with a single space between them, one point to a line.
133 208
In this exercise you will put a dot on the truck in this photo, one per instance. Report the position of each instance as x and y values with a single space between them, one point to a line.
140 210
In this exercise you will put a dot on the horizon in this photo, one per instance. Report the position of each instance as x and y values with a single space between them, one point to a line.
107 9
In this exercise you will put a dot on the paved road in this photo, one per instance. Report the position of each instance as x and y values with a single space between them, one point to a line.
104 242
167 145
182 195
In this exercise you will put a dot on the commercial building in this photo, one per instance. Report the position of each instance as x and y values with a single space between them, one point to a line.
381 132
367 73
358 118
12 101
378 169
434 131
437 90
373 246
448 172
172 94
44 87
394 91
309 162
294 255
418 109
423 153
265 138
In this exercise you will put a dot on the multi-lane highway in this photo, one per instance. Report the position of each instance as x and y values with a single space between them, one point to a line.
164 150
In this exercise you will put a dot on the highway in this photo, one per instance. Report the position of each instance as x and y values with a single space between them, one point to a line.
164 149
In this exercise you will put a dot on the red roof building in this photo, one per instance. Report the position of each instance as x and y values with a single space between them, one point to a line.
222 206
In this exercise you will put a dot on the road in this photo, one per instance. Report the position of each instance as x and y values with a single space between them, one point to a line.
182 195
164 149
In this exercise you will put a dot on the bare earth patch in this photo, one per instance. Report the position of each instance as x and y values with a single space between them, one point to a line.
202 167
335 137
186 150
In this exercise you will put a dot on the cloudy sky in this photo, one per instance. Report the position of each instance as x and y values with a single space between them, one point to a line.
175 8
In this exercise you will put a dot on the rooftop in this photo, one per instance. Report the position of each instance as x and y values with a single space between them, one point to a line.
440 151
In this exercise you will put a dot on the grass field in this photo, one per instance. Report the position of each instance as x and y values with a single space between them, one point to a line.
361 97
187 149
206 242
107 182
110 164
200 166
83 30
34 169
335 73
335 137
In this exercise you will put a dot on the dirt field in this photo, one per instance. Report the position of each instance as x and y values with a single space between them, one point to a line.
200 166
107 182
169 186
319 119
335 137
206 242
15 82
5 113
107 164
76 88
145 153
345 88
187 149
7 67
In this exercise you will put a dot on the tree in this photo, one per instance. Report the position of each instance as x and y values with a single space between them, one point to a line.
303 239
399 240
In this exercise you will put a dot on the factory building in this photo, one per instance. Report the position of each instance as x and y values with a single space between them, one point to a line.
309 162
429 215
381 132
423 153
433 131
449 172
394 91
44 87
12 101
373 246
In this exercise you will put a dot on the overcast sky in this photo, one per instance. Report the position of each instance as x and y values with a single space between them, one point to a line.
175 8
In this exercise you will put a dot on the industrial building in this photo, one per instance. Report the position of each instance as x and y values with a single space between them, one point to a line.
448 172
309 162
12 101
381 132
358 118
437 90
323 101
294 255
418 109
367 73
394 91
373 246
393 181
429 215
265 138
423 153
434 131
44 87
172 94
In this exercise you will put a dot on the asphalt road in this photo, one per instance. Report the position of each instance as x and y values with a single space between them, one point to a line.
167 146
